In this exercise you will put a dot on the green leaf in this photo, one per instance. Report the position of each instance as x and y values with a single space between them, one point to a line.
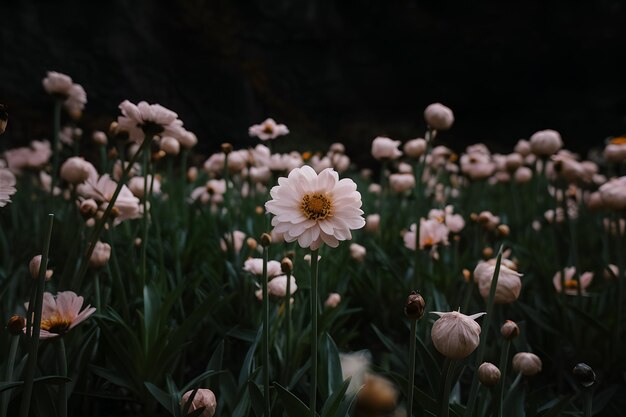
246 368
199 378
293 406
256 398
161 396
111 376
555 410
431 367
331 377
215 363
334 401
50 380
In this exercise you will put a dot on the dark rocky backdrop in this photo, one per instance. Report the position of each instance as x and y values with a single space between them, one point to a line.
331 70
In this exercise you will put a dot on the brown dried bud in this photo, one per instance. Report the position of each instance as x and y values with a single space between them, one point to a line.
252 243
112 154
488 374
467 275
266 239
227 148
259 210
286 266
16 324
158 155
504 230
584 374
487 252
414 307
509 330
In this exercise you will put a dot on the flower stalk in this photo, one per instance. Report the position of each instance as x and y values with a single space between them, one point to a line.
56 126
6 396
266 337
313 303
62 363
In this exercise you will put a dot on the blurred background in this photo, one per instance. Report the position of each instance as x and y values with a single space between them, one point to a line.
331 70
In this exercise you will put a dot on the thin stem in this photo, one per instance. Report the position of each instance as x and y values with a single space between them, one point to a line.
144 219
287 323
412 345
62 362
588 401
504 356
97 288
31 364
56 126
6 395
313 302
266 335
448 370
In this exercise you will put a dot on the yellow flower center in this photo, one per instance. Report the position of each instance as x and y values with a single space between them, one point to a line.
428 242
267 128
56 324
316 206
571 284
619 140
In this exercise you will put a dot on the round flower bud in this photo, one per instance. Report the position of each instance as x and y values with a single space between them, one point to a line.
545 142
414 307
385 148
357 252
584 374
286 265
278 286
509 283
266 239
488 374
203 398
227 148
34 266
438 116
170 145
415 148
16 324
526 363
333 300
376 397
523 175
88 208
372 223
401 182
100 255
509 330
456 335
99 138
76 170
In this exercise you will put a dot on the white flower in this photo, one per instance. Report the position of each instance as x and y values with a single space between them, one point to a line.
269 129
456 335
315 209
385 148
255 266
7 186
148 118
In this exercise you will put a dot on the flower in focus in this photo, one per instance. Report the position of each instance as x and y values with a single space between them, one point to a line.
488 374
509 283
526 363
315 209
438 116
145 119
62 313
7 186
570 284
267 130
456 335
255 267
385 148
545 142
204 398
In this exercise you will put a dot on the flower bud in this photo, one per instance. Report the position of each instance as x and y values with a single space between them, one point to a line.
252 243
376 397
192 174
278 286
372 223
438 116
415 148
509 330
170 145
266 239
99 138
227 148
357 252
385 148
509 283
456 335
545 142
286 265
35 265
76 170
16 324
333 300
88 208
488 374
203 398
466 274
100 255
526 363
487 252
414 307
584 374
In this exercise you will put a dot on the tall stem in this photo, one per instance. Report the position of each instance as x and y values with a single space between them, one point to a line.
313 301
504 356
56 126
448 370
62 362
145 218
6 395
266 335
588 401
410 388
31 364
287 323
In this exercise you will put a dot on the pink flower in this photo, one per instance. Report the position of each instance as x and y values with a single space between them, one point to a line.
571 285
102 189
33 157
333 300
439 116
545 142
255 266
238 236
278 286
432 233
267 130
7 186
385 148
401 182
152 119
61 314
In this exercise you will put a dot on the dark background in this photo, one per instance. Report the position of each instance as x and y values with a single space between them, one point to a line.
331 70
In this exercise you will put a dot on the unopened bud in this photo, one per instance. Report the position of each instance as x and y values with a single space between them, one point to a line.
584 374
112 154
35 265
509 330
259 210
16 324
414 307
286 266
467 275
99 138
137 241
252 243
504 230
227 148
487 252
192 174
115 212
266 239
488 374
88 208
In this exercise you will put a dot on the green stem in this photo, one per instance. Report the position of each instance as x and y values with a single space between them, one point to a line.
56 126
313 303
31 364
588 401
62 362
504 356
410 388
144 219
448 370
266 337
97 288
287 323
6 395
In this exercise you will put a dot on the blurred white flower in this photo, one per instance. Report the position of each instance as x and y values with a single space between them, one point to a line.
148 119
7 186
267 130
438 116
385 148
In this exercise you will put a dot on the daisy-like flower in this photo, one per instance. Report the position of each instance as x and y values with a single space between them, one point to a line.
61 314
146 119
102 189
62 86
7 186
315 209
571 285
267 130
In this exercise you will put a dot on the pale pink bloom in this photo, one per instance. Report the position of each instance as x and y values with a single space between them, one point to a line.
286 162
405 168
438 116
61 314
100 255
372 223
7 186
454 222
260 174
307 258
237 161
260 155
456 335
34 265
401 182
76 100
477 165
278 286
170 145
545 142
523 147
611 271
267 130
523 175
136 185
613 193
340 162
415 148
509 283
571 285
57 83
102 189
513 161
357 252
255 266
385 148
432 233
337 147
239 239
615 152
33 157
203 398
186 138
333 300
488 220
315 209
118 169
148 118
76 170
45 182
569 169
374 188
320 163
99 138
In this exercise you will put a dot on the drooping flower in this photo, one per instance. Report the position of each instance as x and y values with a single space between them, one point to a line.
148 119
62 313
7 186
526 363
456 335
315 209
571 285
267 130
509 283
203 398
